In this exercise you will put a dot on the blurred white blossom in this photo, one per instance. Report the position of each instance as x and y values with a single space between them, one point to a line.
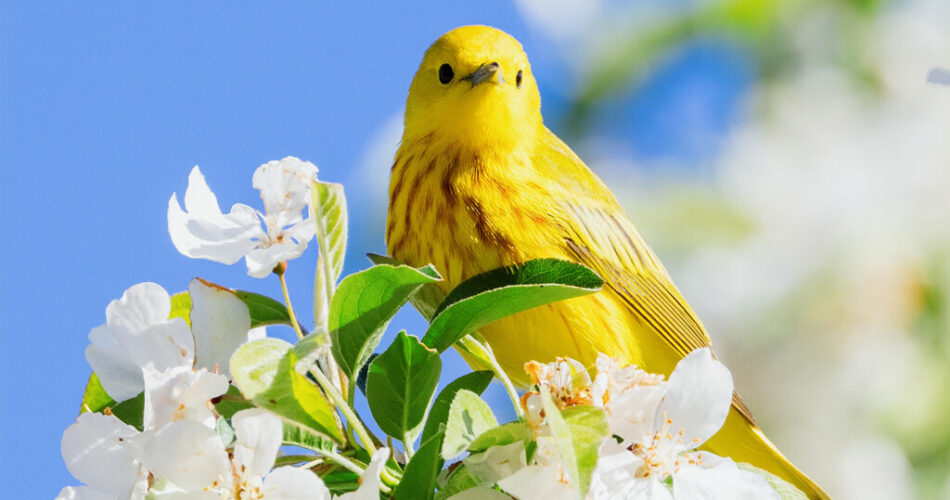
264 239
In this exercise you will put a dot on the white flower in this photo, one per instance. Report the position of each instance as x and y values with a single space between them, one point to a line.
566 378
693 408
138 334
220 322
629 395
95 453
192 457
660 423
203 231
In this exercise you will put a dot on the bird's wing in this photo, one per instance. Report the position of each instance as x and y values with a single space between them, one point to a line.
601 237
608 243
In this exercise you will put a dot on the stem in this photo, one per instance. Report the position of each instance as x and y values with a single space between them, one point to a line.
346 409
407 447
482 351
290 309
349 402
345 462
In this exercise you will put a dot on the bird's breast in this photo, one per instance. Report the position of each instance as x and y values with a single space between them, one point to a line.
467 212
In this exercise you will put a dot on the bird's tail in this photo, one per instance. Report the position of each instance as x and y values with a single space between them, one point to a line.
743 441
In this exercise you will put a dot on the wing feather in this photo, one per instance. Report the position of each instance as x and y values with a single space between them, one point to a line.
645 286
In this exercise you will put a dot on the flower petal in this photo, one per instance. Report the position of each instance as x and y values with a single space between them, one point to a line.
630 395
615 477
259 435
140 307
160 346
204 232
188 454
291 483
538 482
697 399
180 393
369 481
199 199
94 453
262 261
84 493
119 376
219 322
285 184
725 481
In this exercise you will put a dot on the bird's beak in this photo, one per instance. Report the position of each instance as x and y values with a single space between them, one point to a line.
484 73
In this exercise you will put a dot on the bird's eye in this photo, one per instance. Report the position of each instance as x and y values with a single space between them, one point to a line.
518 78
446 73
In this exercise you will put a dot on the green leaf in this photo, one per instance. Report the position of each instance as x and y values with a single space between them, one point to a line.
282 460
418 480
264 310
496 294
328 207
784 489
181 307
341 481
399 385
579 432
265 372
422 472
227 407
501 436
298 435
363 306
95 398
469 417
361 377
426 299
131 410
476 382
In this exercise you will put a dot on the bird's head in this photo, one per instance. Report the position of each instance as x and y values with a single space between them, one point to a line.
474 87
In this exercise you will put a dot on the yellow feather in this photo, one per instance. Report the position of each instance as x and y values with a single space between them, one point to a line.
479 182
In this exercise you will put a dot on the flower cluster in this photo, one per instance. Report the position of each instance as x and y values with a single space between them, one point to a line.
181 451
176 358
191 400
655 426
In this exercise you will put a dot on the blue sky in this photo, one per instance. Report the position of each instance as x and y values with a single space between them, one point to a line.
106 107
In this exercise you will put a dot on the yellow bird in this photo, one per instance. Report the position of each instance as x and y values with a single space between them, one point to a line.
479 183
